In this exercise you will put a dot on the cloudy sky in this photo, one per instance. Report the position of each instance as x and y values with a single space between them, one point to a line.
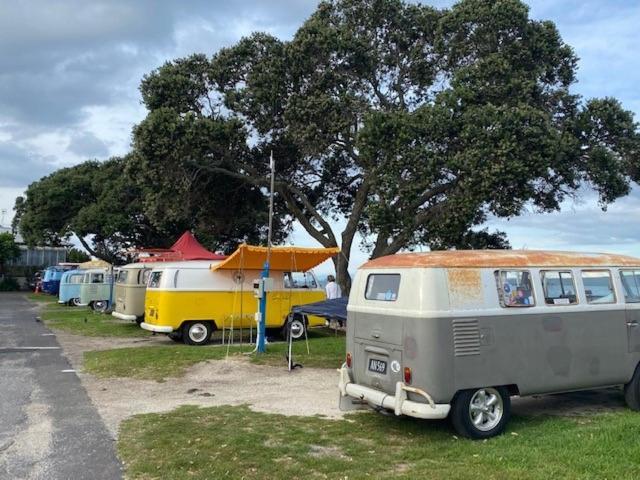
70 70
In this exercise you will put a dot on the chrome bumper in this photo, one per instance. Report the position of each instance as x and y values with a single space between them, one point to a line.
156 328
123 316
398 403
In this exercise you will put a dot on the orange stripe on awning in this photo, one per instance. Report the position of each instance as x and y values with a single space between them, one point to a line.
251 257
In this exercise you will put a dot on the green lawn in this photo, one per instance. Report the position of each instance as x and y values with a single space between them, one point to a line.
42 297
160 362
83 321
236 443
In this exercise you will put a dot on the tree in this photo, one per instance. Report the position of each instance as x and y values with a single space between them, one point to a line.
75 255
405 123
9 249
92 201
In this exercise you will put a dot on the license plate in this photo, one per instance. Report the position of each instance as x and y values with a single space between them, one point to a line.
377 366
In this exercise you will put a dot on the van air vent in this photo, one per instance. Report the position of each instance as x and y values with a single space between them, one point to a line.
466 337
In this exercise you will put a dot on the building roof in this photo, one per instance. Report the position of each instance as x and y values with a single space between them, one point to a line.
500 259
299 259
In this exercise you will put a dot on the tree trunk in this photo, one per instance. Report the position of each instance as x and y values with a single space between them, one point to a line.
343 278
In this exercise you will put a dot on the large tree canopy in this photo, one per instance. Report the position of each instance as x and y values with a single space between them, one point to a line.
92 200
406 123
120 204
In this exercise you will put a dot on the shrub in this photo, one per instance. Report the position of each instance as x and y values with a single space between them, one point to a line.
9 285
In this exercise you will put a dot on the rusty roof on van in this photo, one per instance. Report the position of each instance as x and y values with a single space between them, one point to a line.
501 258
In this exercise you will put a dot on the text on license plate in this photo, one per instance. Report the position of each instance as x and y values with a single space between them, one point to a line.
378 366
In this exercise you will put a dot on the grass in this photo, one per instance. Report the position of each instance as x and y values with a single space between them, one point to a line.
161 362
83 321
42 297
236 443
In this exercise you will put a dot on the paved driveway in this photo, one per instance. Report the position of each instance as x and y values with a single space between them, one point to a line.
48 427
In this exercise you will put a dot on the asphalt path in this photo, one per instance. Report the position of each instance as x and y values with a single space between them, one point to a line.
48 427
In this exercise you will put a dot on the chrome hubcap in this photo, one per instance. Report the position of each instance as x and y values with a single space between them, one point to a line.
296 329
486 409
197 332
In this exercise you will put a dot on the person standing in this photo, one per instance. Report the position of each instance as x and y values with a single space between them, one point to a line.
332 288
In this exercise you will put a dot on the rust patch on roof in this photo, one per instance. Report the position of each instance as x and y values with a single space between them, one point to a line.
465 286
501 258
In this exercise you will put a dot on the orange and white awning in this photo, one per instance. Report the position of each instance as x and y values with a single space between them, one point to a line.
287 258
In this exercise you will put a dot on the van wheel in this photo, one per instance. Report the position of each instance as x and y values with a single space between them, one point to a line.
297 326
632 391
75 302
196 333
139 320
481 413
100 306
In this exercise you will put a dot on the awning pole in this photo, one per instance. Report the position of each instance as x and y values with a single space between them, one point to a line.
262 326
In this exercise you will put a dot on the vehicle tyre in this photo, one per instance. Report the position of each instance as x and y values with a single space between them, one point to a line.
297 326
632 391
76 302
482 412
100 306
139 320
196 333
176 335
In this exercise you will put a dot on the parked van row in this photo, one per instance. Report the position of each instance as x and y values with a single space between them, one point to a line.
457 333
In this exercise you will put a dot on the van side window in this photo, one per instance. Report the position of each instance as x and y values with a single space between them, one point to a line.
382 286
145 276
299 280
154 279
559 287
514 288
122 276
598 286
631 284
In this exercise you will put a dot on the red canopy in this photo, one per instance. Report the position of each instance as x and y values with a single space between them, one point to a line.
185 248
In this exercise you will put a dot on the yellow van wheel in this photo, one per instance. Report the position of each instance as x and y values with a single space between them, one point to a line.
196 333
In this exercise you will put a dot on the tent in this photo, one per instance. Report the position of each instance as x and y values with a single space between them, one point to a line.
185 248
334 309
300 259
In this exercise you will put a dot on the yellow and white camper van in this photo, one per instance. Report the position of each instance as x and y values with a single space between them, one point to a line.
189 300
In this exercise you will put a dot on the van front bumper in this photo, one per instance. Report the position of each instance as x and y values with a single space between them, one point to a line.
124 316
156 328
398 403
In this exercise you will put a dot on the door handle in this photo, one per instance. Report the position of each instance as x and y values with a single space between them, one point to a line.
632 324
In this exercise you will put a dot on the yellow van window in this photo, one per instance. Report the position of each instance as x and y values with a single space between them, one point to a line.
631 284
514 288
559 287
154 279
299 280
598 286
382 286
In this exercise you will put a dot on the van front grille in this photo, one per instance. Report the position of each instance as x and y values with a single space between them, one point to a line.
466 337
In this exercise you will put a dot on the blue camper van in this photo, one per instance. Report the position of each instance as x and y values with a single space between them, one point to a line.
70 287
53 275
51 280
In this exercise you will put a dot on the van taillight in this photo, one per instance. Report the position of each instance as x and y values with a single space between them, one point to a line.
407 375
349 360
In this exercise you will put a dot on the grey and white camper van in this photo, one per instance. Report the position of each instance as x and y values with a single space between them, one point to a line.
457 333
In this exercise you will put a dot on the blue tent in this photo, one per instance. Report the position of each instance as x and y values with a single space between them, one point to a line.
335 309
